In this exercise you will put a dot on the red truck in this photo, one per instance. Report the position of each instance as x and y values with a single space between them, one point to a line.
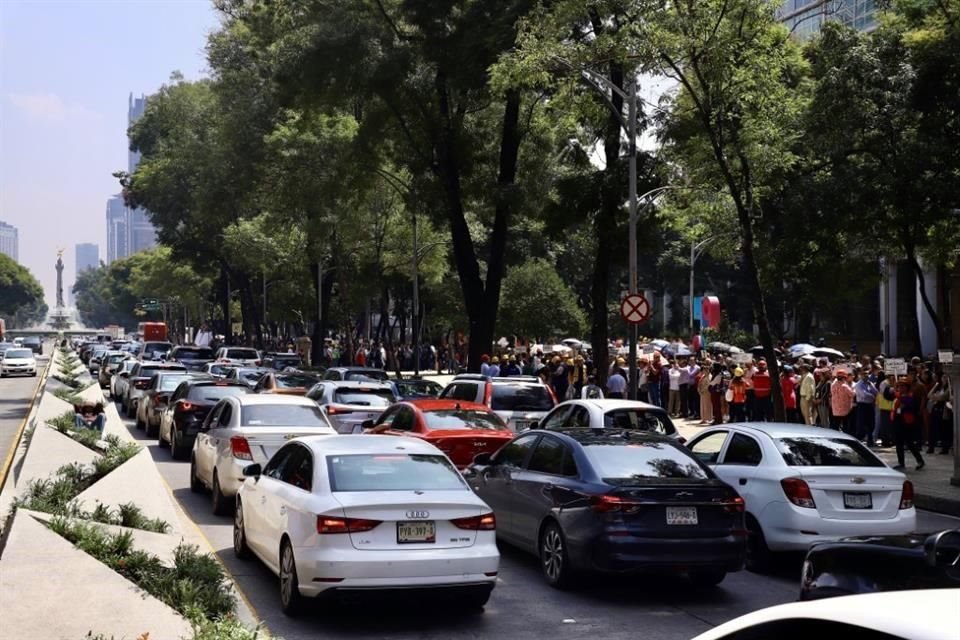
152 331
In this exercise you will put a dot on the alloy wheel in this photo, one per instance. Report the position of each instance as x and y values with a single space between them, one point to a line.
552 554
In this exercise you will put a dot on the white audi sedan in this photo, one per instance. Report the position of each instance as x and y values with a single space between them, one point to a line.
243 429
352 514
804 484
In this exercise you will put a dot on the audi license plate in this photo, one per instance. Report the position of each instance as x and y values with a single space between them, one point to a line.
682 515
853 500
416 532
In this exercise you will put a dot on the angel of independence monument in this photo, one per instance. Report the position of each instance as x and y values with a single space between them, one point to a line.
59 317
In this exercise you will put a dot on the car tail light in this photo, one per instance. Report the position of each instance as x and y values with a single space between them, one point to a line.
485 522
240 448
337 411
141 384
798 492
734 504
159 399
256 362
613 504
906 498
332 524
183 405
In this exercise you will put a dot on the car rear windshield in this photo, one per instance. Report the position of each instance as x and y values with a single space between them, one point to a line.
283 415
639 419
169 383
194 353
242 354
819 451
119 357
293 381
373 374
156 349
18 353
423 389
520 397
148 371
643 461
212 393
364 397
250 376
462 419
393 472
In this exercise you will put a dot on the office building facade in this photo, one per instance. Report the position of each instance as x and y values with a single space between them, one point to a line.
806 17
87 255
9 241
117 234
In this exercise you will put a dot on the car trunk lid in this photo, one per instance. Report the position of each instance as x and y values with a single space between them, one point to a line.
461 446
674 510
263 442
854 493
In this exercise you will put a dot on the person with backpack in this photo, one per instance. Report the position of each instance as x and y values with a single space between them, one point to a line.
591 391
906 416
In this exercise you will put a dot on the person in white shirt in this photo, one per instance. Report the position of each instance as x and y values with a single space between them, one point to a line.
673 405
204 336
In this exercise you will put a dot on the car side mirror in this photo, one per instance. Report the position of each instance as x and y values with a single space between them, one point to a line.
943 549
252 471
125 374
534 425
483 458
368 424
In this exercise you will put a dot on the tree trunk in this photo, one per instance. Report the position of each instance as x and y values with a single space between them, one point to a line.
925 298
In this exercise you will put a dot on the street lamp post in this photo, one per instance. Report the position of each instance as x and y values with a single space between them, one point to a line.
416 301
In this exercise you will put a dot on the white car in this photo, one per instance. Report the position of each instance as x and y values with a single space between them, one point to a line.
240 430
18 362
520 401
923 614
243 356
610 414
356 513
349 404
119 381
803 485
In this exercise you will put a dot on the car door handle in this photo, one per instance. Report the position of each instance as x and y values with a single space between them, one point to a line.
743 481
283 511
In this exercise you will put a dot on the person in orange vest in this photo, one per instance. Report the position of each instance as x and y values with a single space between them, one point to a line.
737 397
762 404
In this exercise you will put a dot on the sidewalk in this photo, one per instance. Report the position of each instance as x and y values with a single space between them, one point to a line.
933 491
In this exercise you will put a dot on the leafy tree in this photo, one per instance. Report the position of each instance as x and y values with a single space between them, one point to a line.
21 295
538 304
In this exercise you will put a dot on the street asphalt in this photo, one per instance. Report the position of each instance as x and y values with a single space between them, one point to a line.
15 396
522 605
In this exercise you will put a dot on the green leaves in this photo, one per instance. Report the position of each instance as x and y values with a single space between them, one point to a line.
537 304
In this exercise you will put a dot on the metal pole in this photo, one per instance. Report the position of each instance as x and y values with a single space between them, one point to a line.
416 302
229 337
693 261
319 298
632 146
265 326
952 370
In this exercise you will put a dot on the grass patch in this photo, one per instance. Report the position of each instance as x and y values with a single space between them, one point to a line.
196 585
225 628
68 396
64 422
71 381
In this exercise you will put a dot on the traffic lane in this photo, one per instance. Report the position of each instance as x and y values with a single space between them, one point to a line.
522 605
15 397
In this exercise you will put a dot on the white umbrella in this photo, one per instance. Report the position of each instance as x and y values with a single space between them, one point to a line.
826 352
802 349
573 343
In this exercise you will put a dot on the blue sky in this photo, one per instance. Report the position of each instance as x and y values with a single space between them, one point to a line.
66 70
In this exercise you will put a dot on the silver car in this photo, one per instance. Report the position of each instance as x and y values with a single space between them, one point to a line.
120 377
349 404
241 430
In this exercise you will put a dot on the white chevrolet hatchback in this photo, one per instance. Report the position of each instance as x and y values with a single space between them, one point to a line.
347 514
803 484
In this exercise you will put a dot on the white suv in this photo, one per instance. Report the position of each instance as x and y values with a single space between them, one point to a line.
520 400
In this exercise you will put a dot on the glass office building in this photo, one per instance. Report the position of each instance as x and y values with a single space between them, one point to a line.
806 17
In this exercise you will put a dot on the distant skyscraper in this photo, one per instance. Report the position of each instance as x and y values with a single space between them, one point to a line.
88 256
135 109
116 229
9 241
806 17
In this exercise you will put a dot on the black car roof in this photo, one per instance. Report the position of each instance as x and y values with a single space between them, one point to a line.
586 436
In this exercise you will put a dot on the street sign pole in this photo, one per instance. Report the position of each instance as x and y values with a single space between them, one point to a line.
632 146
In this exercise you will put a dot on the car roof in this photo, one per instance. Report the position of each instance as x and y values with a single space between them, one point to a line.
788 430
886 614
610 404
362 443
606 435
196 381
359 384
442 404
355 369
270 398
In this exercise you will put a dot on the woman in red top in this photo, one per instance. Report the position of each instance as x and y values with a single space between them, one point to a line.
788 385
907 417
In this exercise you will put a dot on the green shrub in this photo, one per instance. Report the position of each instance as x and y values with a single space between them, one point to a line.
68 396
227 628
64 422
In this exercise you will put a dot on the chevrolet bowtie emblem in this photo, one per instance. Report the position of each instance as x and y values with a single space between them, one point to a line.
858 480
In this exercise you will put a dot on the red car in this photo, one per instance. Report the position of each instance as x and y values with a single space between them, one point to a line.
459 429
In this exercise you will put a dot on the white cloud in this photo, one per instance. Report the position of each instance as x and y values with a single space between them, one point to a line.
49 108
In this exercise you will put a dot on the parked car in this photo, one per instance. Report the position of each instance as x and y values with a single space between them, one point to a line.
109 366
34 343
291 384
610 414
218 369
243 356
139 379
612 501
7 345
120 379
350 404
193 358
97 354
803 484
355 373
520 401
243 429
18 361
154 351
154 399
361 515
460 429
281 361
881 563
913 615
186 409
413 388
244 375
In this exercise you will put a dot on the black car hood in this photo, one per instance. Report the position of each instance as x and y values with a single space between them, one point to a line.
908 541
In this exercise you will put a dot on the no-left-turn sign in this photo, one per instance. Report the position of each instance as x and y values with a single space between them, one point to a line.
634 308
